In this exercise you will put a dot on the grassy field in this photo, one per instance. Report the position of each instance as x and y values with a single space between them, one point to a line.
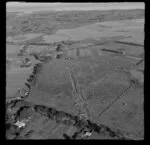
84 70
12 50
16 79
127 117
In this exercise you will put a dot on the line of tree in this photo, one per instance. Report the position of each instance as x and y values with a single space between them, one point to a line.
33 77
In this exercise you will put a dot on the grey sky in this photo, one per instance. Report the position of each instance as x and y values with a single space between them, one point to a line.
17 6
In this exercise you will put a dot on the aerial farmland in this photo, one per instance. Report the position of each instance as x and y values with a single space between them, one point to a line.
75 74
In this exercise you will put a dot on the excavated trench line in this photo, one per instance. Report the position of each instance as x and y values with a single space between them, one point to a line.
129 43
79 97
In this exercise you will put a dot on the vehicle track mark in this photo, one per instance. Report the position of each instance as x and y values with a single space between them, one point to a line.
122 93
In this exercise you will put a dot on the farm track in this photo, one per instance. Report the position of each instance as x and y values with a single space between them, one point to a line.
78 95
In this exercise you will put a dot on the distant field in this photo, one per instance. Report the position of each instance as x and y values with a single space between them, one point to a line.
95 31
55 38
47 22
24 38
